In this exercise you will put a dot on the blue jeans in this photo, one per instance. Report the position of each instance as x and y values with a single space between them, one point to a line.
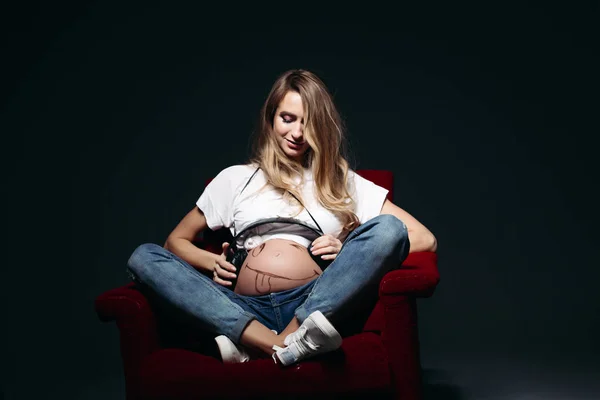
367 254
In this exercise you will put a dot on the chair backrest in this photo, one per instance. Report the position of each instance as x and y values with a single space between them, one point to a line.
380 177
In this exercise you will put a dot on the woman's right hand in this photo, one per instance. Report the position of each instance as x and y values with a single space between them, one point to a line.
224 271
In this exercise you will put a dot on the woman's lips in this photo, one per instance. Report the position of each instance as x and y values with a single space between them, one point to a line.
294 145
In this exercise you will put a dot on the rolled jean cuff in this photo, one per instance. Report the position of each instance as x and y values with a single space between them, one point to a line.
301 314
235 333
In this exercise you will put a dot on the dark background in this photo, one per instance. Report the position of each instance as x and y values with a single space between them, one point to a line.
113 115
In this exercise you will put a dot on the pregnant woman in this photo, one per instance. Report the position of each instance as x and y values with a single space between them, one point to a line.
294 286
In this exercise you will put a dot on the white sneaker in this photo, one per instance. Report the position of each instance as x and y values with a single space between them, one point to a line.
230 352
315 336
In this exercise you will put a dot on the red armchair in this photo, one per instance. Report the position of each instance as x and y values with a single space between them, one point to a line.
163 360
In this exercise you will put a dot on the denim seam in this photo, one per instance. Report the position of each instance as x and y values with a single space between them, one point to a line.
294 299
277 311
253 305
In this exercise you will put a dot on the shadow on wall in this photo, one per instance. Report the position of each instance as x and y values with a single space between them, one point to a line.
437 386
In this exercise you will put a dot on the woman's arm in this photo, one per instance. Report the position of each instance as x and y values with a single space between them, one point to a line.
421 239
180 243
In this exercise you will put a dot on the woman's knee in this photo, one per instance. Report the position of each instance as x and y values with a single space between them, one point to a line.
392 235
391 229
143 256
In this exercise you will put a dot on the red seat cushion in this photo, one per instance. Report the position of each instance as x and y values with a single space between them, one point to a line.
360 365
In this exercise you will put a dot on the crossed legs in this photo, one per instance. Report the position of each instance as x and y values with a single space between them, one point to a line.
369 252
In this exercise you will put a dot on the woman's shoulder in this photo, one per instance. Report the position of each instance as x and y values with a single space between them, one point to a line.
352 177
237 171
233 176
356 183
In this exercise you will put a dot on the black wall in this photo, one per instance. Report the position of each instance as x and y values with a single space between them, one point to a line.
114 115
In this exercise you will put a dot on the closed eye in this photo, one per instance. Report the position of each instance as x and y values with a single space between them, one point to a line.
288 117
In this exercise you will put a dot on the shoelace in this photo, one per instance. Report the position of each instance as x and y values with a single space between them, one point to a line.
274 355
297 335
304 345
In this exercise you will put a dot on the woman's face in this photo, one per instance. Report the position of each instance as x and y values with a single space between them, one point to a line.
289 126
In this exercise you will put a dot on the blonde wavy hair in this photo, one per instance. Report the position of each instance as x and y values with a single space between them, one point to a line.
326 156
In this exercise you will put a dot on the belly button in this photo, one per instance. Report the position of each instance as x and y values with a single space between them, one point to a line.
277 255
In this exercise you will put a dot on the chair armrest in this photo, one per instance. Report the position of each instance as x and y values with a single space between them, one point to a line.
135 320
121 303
417 277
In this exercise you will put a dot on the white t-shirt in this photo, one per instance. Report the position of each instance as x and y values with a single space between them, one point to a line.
223 206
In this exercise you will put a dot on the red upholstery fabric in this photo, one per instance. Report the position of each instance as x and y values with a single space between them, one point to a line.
360 365
166 362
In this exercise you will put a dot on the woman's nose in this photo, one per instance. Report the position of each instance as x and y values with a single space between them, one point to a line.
297 132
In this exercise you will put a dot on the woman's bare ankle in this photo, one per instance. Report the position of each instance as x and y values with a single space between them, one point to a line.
260 339
290 328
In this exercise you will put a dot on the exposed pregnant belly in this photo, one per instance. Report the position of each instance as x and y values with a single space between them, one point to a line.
276 265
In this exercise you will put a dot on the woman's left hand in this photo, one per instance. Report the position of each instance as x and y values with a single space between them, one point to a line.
326 246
